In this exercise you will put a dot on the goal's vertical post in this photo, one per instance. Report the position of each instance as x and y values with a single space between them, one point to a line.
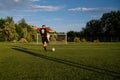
37 38
66 37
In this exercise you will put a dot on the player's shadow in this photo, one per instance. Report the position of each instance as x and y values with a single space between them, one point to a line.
70 63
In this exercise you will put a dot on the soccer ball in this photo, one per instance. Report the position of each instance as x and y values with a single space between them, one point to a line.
53 49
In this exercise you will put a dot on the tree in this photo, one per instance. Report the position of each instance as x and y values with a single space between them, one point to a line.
92 30
111 23
2 22
72 34
24 30
19 31
9 31
107 26
23 23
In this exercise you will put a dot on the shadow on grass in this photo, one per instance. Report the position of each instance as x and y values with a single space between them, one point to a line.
70 63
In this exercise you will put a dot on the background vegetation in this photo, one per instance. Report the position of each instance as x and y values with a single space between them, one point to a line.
10 31
107 28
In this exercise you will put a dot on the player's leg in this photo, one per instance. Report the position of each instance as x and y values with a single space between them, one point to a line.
48 39
47 42
44 43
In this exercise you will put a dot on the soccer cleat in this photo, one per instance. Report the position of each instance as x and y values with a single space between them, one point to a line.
45 48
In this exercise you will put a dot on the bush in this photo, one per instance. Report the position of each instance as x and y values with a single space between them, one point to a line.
97 40
14 41
76 39
84 40
2 39
53 38
23 40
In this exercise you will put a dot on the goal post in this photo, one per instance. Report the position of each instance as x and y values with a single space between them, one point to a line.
54 38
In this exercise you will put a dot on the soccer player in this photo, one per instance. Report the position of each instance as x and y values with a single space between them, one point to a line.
44 31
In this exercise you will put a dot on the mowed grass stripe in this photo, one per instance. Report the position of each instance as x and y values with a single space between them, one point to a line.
71 63
16 65
106 57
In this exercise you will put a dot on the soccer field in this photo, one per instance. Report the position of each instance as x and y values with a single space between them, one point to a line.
74 61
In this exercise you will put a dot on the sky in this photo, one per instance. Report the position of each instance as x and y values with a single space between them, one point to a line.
59 15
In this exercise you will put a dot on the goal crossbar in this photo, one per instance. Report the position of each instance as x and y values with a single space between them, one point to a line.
55 38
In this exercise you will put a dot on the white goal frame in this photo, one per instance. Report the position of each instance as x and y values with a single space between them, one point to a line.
53 42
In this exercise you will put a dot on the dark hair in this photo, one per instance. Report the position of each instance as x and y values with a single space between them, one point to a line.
43 25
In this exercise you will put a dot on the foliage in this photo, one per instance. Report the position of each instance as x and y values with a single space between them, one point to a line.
72 34
10 31
23 40
107 26
76 39
26 31
53 38
14 41
111 23
84 40
97 40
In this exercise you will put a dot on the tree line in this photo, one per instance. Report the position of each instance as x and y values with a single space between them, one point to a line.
103 29
106 28
11 31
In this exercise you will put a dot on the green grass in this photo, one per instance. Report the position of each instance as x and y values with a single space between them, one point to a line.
18 65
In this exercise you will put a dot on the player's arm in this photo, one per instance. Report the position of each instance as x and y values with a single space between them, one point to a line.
48 30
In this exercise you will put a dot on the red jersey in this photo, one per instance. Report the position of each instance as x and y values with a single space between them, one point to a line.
43 32
47 30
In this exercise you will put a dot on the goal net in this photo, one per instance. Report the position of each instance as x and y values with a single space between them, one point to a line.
54 38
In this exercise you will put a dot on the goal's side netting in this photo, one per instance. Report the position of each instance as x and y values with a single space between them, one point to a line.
54 38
